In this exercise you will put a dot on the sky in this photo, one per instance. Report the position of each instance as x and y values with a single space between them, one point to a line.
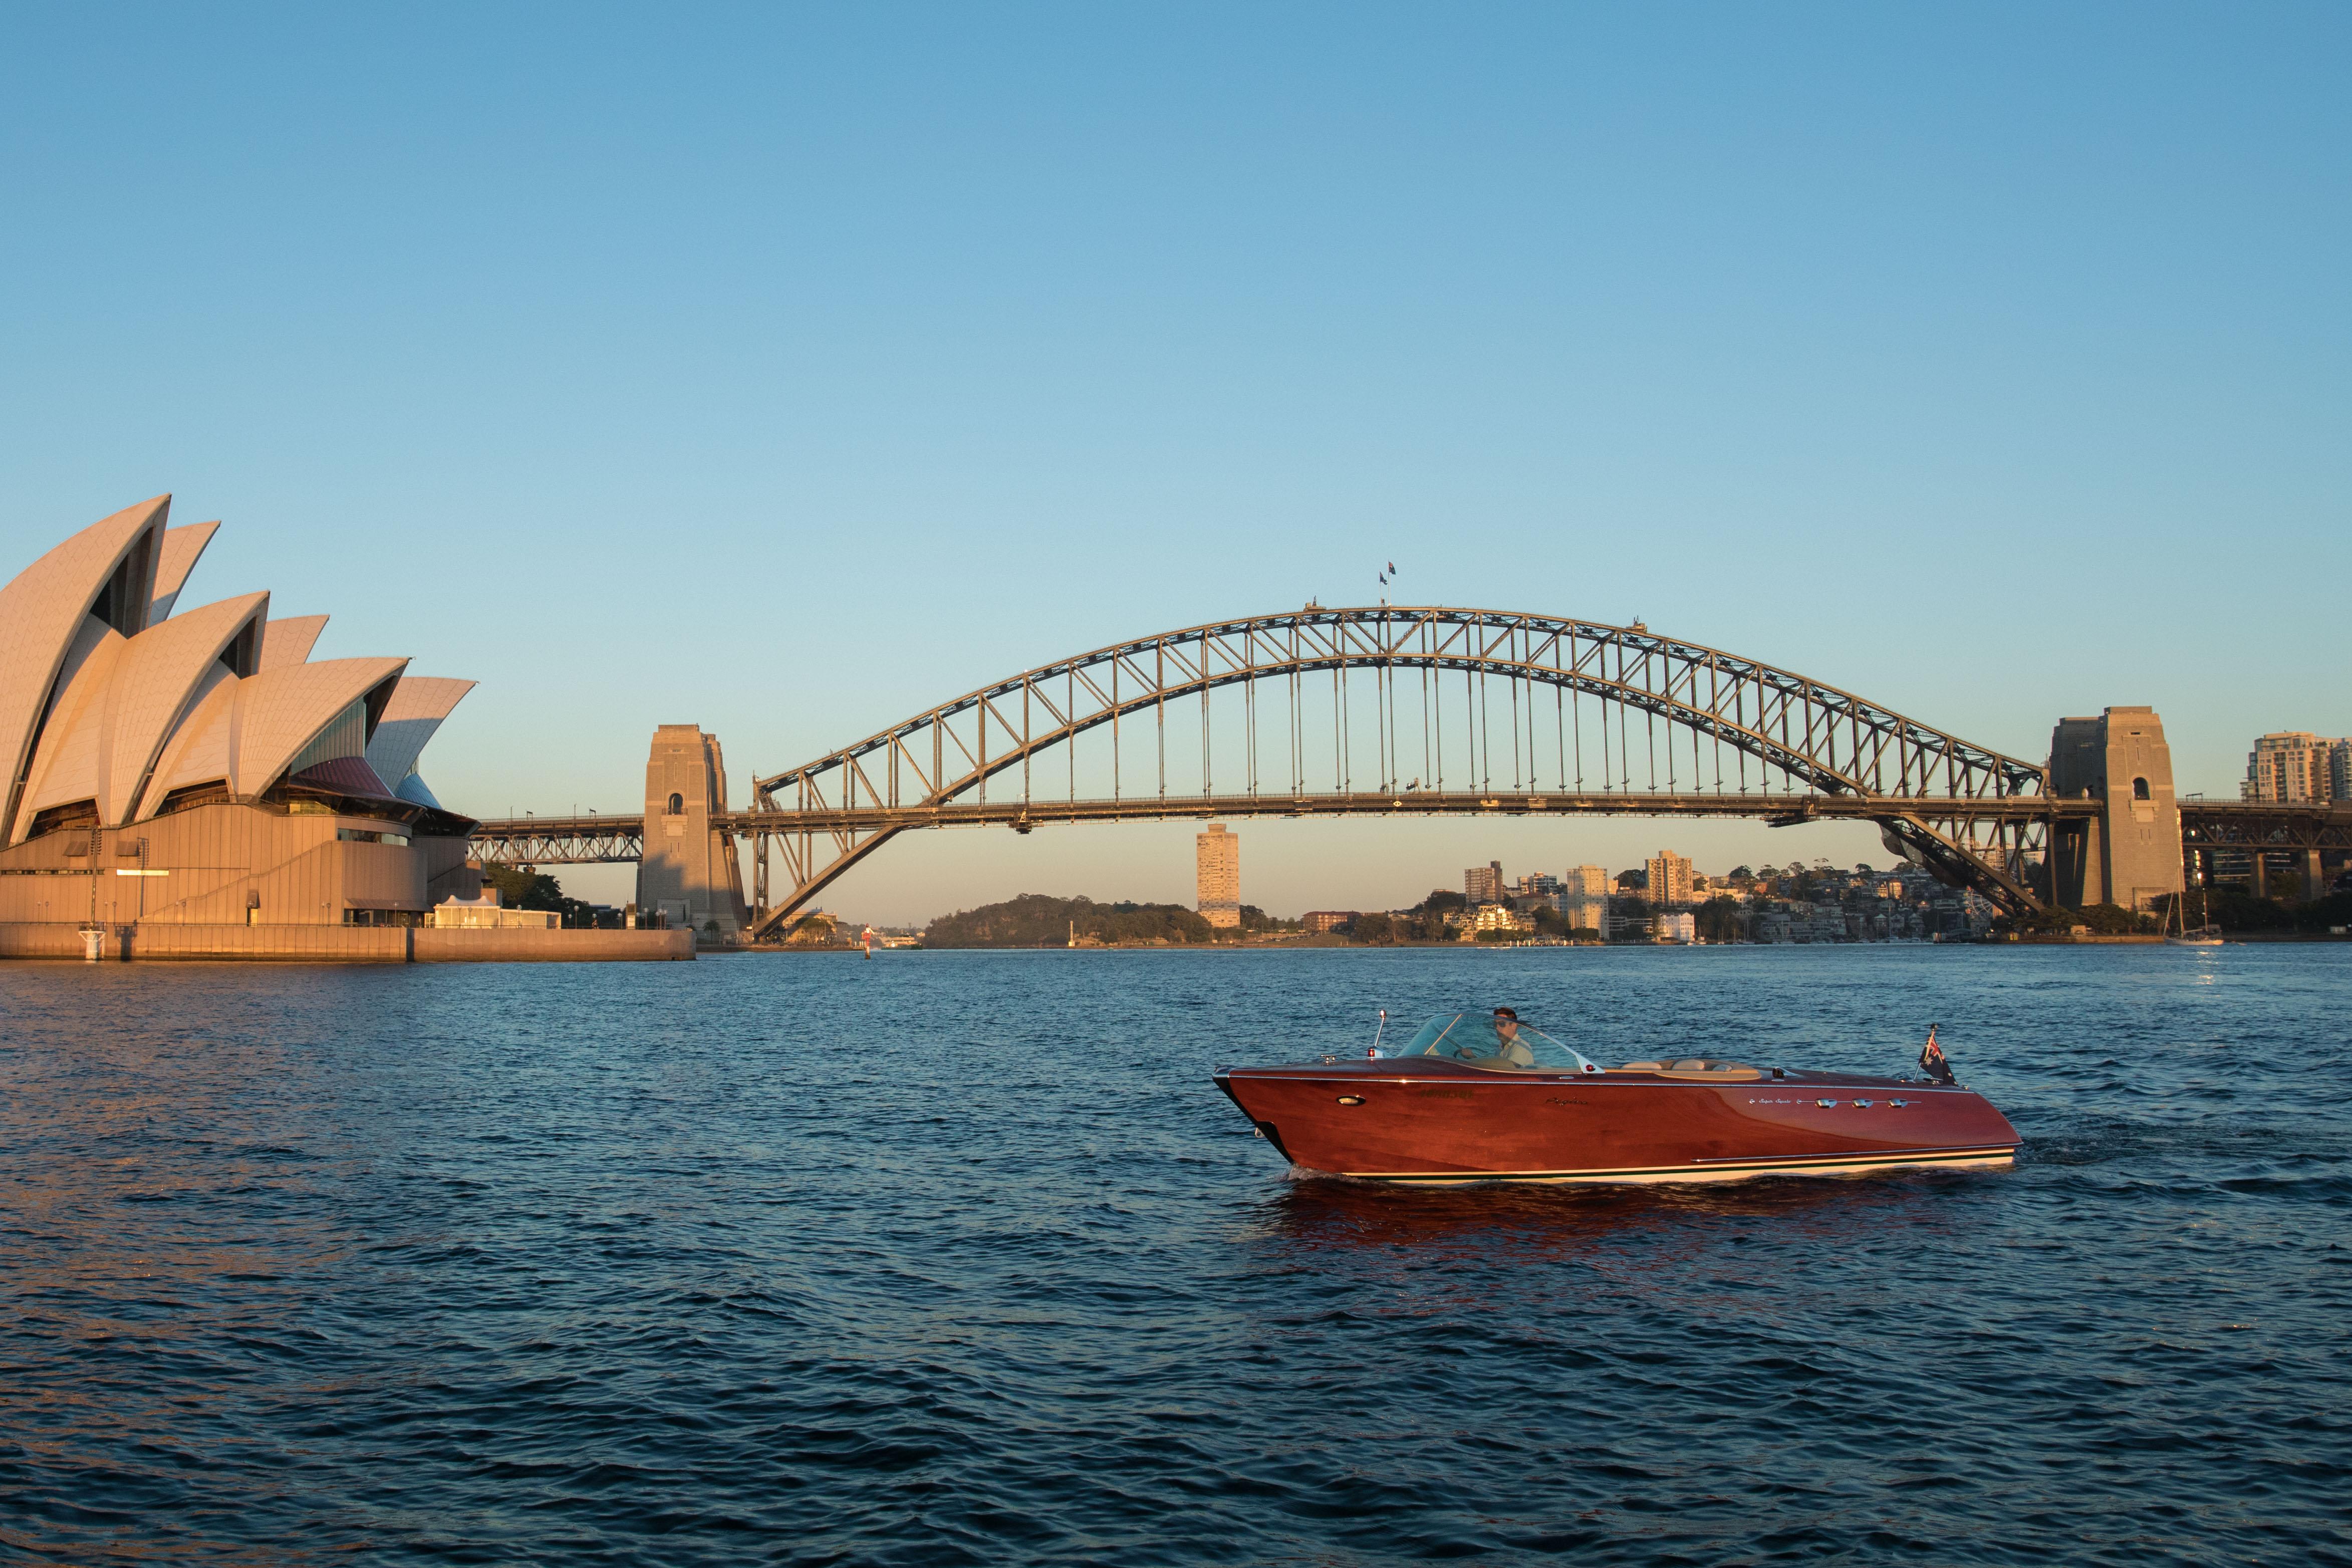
790 370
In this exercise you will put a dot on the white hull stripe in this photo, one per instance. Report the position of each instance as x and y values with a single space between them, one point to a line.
1715 1171
1496 1080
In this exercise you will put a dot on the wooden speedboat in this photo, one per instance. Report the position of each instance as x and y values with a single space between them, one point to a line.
1463 1103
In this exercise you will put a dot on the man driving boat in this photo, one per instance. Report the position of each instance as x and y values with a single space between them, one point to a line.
1509 1046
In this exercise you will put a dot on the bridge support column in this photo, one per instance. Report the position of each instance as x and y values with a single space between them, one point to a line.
2313 884
2131 854
689 871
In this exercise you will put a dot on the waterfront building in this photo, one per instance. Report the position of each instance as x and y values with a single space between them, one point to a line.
1321 921
195 767
1484 884
1670 878
1682 927
1585 914
1219 856
486 913
1496 917
2296 766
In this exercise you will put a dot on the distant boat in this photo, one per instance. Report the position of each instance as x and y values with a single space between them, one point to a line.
2206 935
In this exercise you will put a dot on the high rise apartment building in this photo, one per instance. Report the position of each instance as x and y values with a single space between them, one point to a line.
1484 884
1584 898
1670 878
1585 882
2297 766
1219 857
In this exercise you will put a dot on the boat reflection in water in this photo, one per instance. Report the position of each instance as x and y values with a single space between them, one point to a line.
1477 1099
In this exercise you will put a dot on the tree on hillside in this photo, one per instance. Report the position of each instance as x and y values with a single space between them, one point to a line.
1632 912
1035 920
1718 919
814 931
2057 920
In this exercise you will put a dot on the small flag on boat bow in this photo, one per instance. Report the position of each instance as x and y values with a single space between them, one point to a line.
1932 1060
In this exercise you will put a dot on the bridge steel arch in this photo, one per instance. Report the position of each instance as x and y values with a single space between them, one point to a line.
1800 749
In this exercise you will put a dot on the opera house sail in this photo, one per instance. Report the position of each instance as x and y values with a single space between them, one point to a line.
172 768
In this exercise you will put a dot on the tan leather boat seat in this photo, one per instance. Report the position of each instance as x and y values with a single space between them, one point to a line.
1644 1066
1704 1071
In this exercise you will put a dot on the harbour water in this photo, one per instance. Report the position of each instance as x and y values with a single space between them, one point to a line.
960 1258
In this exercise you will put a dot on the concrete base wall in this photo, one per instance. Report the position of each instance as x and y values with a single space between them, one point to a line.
318 944
458 946
347 944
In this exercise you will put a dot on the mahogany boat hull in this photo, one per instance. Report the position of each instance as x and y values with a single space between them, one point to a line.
1426 1120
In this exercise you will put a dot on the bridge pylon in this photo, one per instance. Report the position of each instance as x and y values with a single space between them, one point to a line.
2130 852
689 871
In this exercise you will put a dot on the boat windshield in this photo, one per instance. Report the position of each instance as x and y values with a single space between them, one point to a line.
1473 1037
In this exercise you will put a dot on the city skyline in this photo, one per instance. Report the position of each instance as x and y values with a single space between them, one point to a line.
1582 295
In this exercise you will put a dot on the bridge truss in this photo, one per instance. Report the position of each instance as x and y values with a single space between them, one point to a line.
1393 710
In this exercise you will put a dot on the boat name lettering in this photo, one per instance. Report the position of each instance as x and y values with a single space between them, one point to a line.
1555 1100
1444 1094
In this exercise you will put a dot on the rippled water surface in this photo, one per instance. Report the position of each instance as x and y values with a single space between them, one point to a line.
961 1257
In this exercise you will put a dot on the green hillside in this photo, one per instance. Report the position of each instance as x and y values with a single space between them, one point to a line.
1033 920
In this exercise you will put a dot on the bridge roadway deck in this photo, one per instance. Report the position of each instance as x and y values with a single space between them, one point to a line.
2205 824
560 840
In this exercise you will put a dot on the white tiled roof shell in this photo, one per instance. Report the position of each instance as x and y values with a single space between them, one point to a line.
42 609
157 678
418 705
71 760
244 732
204 749
181 548
108 730
289 639
281 711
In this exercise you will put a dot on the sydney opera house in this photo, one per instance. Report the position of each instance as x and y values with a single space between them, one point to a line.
191 778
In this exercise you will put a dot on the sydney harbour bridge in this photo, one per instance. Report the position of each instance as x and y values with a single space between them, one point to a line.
1394 710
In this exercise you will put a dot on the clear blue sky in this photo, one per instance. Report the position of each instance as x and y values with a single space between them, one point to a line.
786 371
